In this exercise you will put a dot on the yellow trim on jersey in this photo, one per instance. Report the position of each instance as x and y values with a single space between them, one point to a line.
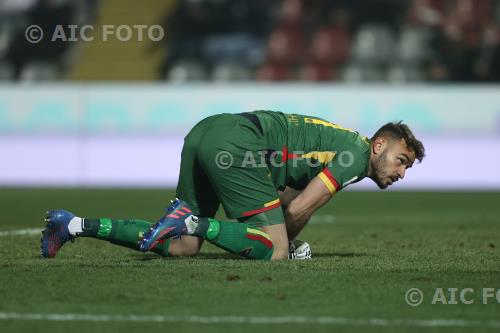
322 122
324 178
270 203
322 156
258 232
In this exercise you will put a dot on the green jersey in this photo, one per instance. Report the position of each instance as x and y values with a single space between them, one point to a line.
302 147
241 160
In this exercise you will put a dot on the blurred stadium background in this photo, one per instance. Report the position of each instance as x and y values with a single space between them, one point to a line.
96 126
77 112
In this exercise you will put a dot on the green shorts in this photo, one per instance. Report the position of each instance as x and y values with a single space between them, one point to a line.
222 163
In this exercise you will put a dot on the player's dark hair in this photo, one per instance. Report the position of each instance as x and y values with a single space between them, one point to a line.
400 131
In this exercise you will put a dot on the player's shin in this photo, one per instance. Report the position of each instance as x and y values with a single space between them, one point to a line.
245 238
237 238
121 232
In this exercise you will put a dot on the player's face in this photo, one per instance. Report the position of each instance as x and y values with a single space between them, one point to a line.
391 160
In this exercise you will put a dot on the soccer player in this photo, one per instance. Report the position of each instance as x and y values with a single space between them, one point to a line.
270 170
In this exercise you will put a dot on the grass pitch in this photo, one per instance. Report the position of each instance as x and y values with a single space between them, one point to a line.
368 248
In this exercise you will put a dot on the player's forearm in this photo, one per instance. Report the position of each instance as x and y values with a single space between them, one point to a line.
287 196
295 221
301 208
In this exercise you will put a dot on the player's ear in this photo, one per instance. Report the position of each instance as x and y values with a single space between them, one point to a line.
378 145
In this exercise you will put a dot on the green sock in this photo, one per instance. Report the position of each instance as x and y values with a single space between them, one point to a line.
121 232
237 238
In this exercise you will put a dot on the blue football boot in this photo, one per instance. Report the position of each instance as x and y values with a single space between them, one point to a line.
170 226
56 232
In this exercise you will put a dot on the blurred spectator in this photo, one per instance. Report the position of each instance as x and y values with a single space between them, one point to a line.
14 6
274 72
285 45
488 66
461 53
428 13
217 32
46 14
313 40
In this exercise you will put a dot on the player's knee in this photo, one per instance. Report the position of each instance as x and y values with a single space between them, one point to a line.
280 251
185 247
183 252
277 233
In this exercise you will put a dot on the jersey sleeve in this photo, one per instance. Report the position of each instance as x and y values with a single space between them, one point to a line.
344 169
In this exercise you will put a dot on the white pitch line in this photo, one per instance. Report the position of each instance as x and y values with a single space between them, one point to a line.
251 320
21 232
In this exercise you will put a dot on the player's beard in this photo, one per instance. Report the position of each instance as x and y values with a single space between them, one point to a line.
379 165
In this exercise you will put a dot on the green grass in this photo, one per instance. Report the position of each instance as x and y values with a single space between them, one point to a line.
369 248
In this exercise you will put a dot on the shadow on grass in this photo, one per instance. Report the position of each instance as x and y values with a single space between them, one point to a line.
226 256
338 254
